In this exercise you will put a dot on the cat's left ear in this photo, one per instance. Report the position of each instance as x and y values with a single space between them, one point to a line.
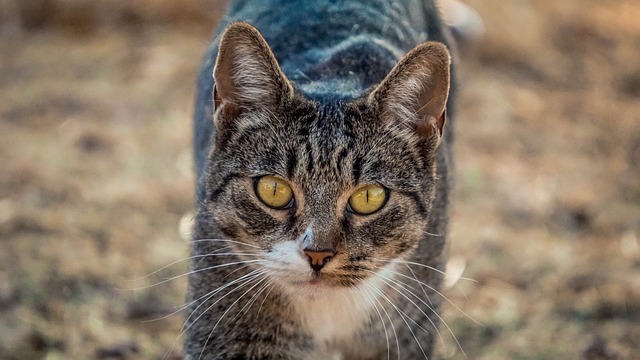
415 92
247 75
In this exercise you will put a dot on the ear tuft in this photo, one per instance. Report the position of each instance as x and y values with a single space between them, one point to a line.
247 75
416 90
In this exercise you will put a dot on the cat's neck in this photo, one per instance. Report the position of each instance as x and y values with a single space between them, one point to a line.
330 314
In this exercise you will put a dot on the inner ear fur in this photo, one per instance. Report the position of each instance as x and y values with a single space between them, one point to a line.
247 75
415 92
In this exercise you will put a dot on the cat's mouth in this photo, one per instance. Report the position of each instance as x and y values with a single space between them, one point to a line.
315 280
328 280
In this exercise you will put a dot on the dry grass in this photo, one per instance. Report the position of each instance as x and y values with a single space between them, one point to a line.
95 108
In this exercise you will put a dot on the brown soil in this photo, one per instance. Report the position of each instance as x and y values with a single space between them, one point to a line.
95 123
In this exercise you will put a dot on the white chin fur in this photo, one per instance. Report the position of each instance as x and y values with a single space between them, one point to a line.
328 312
287 262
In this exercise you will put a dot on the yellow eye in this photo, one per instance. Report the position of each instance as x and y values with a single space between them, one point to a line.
274 192
368 199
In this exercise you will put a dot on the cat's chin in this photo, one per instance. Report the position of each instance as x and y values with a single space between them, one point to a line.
317 284
315 280
319 281
313 288
308 284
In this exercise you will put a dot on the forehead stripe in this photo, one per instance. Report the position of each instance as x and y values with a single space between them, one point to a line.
357 169
218 190
292 162
417 199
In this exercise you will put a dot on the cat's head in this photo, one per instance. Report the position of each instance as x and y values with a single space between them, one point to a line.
323 193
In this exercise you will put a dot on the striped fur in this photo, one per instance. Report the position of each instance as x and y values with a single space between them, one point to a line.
252 292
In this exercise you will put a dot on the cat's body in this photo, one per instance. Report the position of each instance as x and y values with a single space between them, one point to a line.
314 278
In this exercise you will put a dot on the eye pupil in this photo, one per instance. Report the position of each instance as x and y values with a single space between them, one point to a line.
367 199
274 192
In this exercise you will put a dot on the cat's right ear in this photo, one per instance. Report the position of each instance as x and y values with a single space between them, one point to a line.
247 75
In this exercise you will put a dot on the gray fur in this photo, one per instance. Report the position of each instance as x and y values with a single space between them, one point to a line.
326 147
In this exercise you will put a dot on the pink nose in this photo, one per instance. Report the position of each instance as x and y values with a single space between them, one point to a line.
317 259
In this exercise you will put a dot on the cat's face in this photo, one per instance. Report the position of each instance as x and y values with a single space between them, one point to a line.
322 194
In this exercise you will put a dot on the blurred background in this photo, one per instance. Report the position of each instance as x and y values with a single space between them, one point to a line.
96 186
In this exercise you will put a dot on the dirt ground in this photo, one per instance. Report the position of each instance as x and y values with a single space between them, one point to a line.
96 101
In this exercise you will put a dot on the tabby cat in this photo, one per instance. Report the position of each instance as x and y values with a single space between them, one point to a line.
322 167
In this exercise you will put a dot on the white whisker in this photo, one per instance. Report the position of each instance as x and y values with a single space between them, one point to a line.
228 309
251 301
194 257
273 285
227 241
193 272
386 280
438 293
400 261
209 295
395 334
384 327
402 316
252 276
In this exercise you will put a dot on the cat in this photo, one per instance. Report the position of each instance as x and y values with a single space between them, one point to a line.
322 167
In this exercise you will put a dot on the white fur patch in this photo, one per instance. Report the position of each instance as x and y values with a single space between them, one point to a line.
328 313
